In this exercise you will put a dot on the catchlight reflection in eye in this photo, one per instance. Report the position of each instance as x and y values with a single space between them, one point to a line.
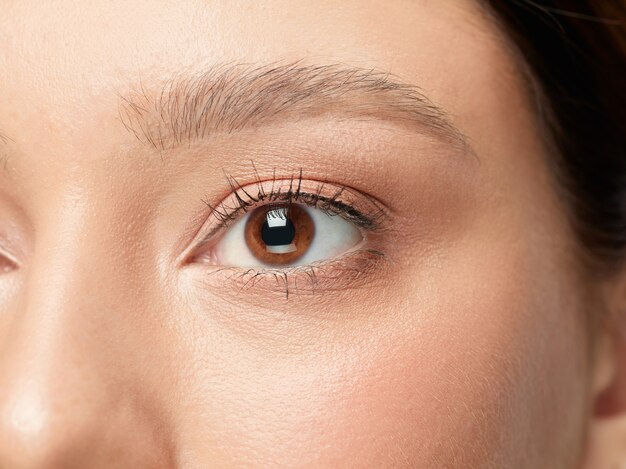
286 235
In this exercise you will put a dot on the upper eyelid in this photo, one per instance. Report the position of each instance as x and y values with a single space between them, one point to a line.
306 198
292 188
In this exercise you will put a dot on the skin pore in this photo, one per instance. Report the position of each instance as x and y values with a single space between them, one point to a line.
459 336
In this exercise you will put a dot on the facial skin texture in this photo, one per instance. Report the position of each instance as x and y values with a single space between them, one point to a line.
468 346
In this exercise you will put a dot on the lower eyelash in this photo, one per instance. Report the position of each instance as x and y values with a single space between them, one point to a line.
348 271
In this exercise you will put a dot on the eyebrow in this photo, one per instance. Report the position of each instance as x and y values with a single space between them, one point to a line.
230 98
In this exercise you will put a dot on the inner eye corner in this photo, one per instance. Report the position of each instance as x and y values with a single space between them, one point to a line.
8 264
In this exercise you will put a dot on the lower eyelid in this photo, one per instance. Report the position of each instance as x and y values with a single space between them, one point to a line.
350 271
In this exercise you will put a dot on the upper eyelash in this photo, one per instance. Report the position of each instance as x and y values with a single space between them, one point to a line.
245 199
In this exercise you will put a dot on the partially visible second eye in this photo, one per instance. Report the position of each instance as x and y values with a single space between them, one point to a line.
285 235
7 265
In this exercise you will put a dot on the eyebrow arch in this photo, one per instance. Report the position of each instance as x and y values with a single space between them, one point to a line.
229 98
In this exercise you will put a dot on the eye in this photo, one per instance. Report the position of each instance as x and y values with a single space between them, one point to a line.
275 226
285 235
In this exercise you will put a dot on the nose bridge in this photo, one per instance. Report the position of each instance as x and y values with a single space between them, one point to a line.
48 408
53 390
75 281
63 383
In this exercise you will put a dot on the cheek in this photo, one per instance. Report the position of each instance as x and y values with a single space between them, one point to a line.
471 362
491 360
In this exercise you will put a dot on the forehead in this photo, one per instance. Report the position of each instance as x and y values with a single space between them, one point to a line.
117 35
68 57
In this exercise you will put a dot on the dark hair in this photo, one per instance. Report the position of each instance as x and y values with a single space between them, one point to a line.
576 52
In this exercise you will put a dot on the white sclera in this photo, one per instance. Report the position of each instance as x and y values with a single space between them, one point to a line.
333 236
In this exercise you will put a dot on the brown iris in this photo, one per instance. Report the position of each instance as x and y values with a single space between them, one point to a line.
279 234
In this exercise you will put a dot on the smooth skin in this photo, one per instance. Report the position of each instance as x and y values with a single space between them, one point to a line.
475 344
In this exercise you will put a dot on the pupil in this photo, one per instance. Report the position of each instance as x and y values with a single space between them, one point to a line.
277 230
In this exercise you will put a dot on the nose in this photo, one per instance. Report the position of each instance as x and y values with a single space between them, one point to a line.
71 392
